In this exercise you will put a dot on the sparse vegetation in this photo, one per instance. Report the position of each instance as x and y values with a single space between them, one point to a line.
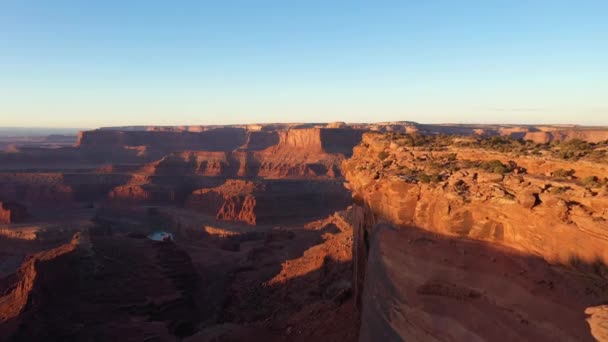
557 190
432 178
573 149
504 145
494 166
561 173
382 155
591 182
432 142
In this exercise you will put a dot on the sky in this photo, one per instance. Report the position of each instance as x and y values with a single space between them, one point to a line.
109 63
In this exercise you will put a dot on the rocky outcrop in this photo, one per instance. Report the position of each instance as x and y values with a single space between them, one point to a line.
11 212
270 200
419 286
437 236
316 140
598 321
27 284
232 201
590 135
516 210
260 140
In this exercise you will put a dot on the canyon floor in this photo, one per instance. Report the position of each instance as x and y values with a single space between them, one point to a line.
287 232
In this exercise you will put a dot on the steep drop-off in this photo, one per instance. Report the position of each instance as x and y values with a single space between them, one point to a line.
26 284
556 219
270 200
449 249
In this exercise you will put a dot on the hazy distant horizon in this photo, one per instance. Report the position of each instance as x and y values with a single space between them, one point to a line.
40 130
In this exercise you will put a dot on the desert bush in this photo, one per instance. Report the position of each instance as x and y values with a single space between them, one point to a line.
573 149
406 171
494 166
559 189
382 155
506 144
432 178
561 173
591 182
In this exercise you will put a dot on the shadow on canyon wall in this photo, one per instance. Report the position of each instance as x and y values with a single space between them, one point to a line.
415 285
131 288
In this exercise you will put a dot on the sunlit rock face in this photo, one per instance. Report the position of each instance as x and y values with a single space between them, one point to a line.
11 212
447 248
556 220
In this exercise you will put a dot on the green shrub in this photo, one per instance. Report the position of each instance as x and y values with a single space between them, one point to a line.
559 189
573 149
432 178
561 173
500 169
424 178
591 182
495 166
382 155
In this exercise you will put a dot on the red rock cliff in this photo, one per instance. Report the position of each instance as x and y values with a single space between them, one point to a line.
474 242
11 212
516 210
27 282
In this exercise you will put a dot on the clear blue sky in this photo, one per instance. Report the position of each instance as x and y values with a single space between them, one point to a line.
100 63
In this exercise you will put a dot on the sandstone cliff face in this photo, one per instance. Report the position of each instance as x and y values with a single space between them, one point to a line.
295 153
39 188
220 139
260 140
419 286
232 201
467 255
516 210
57 188
590 135
306 139
27 284
269 200
317 140
11 212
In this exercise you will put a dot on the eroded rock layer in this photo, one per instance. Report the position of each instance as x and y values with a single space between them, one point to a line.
453 244
11 212
459 232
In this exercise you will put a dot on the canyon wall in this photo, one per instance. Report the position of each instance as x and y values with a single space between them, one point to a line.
516 210
56 188
220 139
34 275
468 255
270 200
413 285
